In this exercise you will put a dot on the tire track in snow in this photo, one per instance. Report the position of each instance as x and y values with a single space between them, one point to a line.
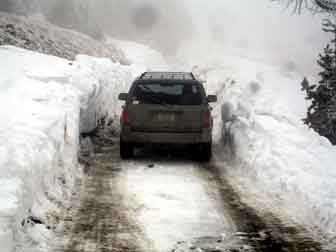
261 233
99 219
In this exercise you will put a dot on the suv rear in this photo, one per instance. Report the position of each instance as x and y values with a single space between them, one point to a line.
166 108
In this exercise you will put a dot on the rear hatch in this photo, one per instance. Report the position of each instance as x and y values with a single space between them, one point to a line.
165 118
167 107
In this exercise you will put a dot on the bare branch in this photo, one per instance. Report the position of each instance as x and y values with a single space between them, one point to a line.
313 5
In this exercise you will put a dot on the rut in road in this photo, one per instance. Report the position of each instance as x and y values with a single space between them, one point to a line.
261 233
254 232
99 220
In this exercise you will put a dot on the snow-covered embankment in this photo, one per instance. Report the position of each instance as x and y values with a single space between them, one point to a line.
280 165
46 102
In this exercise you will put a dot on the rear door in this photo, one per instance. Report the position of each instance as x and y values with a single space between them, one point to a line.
167 107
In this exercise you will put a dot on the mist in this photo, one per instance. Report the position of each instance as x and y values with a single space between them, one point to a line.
264 30
164 25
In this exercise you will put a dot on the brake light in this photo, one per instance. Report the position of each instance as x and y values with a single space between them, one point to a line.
207 120
125 118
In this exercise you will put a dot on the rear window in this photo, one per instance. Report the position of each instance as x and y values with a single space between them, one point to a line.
168 93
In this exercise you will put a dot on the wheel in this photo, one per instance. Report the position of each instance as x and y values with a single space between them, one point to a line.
202 152
126 150
205 152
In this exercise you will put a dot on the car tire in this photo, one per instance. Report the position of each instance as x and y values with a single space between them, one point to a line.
202 152
205 152
126 150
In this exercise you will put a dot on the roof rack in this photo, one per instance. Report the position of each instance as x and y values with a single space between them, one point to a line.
167 76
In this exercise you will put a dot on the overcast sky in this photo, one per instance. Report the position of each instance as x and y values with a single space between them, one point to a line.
262 29
257 28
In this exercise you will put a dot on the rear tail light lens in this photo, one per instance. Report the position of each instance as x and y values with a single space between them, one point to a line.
207 120
125 118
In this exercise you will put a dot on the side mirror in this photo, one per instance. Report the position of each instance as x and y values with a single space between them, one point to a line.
123 96
212 98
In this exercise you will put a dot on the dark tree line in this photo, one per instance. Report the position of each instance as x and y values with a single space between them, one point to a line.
321 115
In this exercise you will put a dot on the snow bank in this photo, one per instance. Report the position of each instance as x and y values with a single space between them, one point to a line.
289 167
100 81
46 102
142 56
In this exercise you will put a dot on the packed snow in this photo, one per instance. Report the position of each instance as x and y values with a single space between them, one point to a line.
46 103
172 187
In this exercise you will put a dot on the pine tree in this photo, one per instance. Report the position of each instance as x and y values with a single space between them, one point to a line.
305 84
321 115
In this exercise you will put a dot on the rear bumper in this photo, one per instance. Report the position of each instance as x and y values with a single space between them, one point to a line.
163 137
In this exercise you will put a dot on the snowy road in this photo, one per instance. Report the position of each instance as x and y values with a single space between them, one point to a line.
165 203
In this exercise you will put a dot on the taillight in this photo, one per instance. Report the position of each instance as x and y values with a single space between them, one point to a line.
207 120
125 117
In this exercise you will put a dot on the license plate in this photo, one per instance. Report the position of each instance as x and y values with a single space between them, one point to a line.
166 117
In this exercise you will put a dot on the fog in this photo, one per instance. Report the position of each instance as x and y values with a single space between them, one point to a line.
257 29
264 30
163 24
